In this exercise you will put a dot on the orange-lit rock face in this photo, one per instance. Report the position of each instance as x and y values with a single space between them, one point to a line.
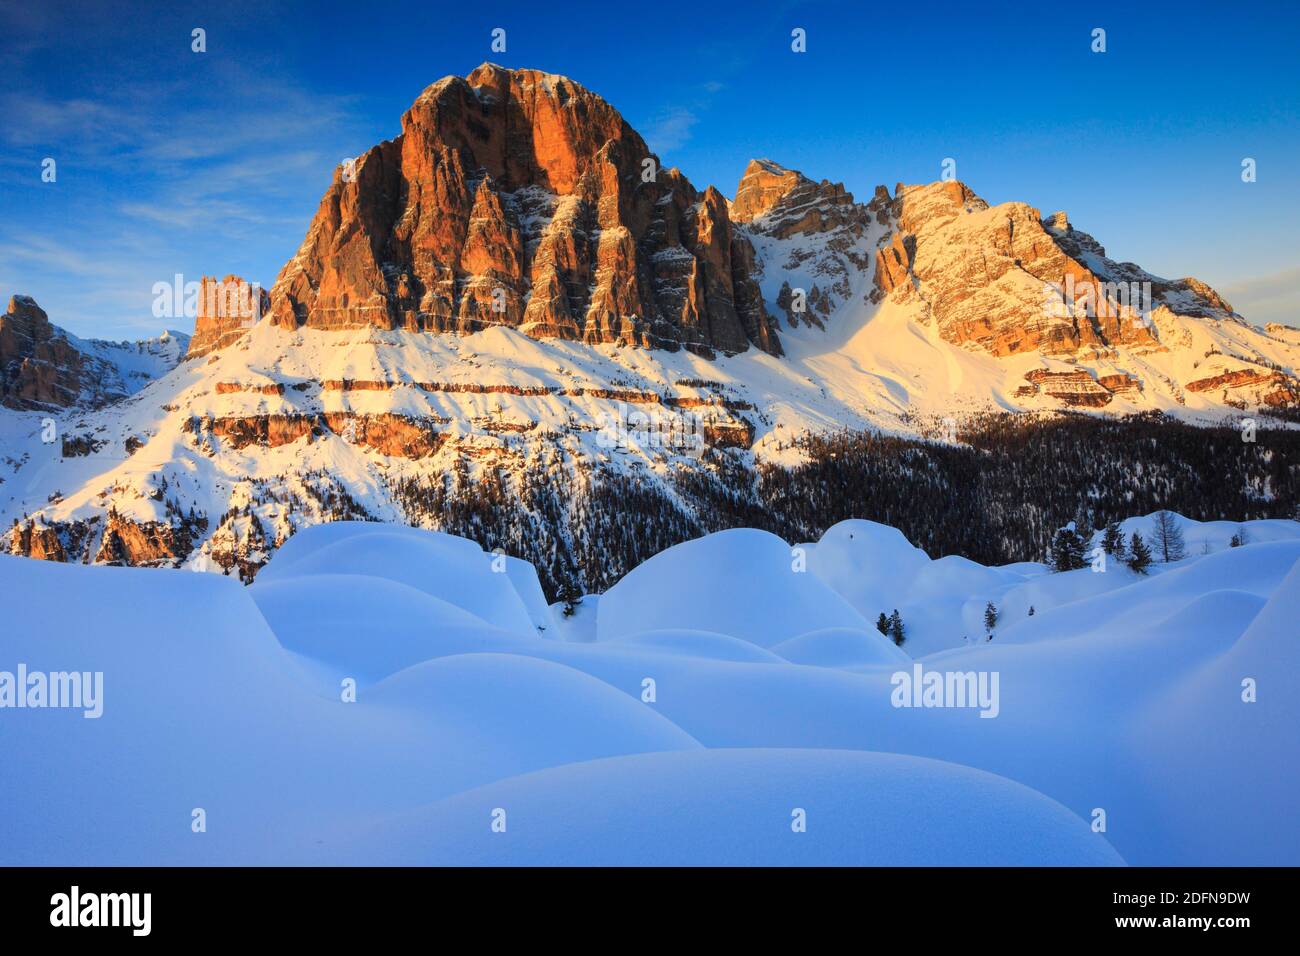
988 275
388 433
36 541
518 198
227 308
1236 379
789 203
1078 389
819 228
1265 387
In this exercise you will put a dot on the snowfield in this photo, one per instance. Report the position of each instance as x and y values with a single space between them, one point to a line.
386 695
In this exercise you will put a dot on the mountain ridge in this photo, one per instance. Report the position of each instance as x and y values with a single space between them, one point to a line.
496 322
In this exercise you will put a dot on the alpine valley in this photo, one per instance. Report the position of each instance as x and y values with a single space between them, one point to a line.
505 322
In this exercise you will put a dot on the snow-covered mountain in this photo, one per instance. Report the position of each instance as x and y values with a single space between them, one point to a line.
512 322
43 367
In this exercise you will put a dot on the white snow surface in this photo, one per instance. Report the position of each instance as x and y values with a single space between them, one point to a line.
728 702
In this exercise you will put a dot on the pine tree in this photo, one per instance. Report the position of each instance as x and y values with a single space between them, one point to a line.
1112 540
571 597
1083 527
882 623
990 617
896 629
1139 554
1168 537
1031 610
1068 551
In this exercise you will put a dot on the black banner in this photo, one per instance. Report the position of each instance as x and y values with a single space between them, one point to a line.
337 905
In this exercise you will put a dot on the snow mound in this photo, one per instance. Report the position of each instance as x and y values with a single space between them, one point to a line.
311 539
870 565
446 567
529 588
532 710
743 807
842 647
1168 702
699 644
367 627
744 583
1228 735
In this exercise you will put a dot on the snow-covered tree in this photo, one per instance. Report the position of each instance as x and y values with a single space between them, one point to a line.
1112 540
571 597
896 629
882 623
1068 550
990 617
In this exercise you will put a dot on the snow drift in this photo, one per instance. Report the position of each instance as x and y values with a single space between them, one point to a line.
387 695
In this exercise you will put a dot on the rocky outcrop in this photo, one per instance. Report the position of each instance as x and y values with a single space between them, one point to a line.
1120 383
142 543
1234 379
34 539
268 388
387 432
1007 280
518 198
814 229
1077 389
1266 387
42 368
227 308
785 203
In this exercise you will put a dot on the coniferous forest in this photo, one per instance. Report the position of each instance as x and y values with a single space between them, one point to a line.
996 497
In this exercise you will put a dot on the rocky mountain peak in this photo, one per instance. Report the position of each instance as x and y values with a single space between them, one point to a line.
519 198
784 202
39 367
43 368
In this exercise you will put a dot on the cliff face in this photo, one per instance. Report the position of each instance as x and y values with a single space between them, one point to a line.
811 231
1007 280
41 367
521 207
227 309
518 198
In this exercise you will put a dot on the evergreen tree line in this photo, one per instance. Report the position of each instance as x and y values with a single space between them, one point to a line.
1001 496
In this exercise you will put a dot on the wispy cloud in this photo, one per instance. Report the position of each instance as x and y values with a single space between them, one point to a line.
1267 298
671 130
156 178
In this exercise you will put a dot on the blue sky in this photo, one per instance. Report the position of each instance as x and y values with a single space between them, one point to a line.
175 162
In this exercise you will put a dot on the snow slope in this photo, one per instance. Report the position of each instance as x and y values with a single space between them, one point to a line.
385 696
